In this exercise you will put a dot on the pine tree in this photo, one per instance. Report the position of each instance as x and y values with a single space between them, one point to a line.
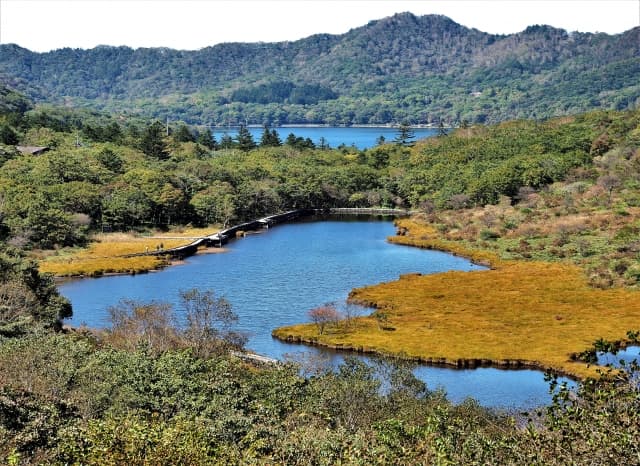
275 138
152 142
245 140
207 139
442 131
183 134
8 136
405 135
226 142
270 138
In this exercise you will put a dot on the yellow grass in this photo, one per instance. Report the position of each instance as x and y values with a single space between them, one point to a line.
426 237
105 253
187 232
533 313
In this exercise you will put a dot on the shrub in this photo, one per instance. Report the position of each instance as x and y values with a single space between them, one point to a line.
487 235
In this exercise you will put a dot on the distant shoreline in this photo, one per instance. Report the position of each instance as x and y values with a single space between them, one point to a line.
322 125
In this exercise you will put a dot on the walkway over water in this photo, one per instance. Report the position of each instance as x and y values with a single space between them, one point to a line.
273 279
220 238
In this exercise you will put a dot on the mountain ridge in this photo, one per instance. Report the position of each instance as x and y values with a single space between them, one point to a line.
403 67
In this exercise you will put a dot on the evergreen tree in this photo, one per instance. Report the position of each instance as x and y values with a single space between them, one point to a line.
442 131
270 138
226 142
112 132
152 142
275 138
207 139
265 139
8 136
405 135
183 134
291 140
245 140
299 142
110 160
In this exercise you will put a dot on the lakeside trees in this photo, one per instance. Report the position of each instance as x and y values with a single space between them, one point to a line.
138 177
177 396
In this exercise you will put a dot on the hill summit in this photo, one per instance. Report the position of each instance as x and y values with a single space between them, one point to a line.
420 69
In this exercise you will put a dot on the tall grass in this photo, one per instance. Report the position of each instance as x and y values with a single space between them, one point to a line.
105 254
537 314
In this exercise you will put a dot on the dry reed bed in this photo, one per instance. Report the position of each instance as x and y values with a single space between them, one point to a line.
105 255
534 314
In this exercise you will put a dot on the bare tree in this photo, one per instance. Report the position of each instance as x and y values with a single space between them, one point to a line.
134 323
609 183
206 326
323 316
459 201
209 322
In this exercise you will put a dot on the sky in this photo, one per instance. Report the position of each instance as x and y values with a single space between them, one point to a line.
43 25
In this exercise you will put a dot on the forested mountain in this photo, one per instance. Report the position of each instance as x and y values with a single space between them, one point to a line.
420 69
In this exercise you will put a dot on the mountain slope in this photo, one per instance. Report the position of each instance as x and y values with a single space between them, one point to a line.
421 69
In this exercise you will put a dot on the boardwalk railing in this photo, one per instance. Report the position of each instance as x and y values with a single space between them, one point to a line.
370 211
222 237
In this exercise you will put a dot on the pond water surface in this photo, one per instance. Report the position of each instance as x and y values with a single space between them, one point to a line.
357 136
274 277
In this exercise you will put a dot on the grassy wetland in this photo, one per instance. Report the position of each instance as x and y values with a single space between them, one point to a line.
517 314
563 259
552 207
109 253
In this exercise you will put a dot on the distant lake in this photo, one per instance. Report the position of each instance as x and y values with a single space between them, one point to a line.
273 278
360 137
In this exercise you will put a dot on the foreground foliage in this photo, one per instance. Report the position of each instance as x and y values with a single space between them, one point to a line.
70 399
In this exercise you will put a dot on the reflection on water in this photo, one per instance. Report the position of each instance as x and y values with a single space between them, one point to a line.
627 355
273 278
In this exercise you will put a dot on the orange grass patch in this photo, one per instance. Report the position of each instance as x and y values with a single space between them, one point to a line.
105 256
187 232
534 314
424 236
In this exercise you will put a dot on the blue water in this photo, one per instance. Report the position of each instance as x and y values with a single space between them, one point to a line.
627 355
273 278
361 138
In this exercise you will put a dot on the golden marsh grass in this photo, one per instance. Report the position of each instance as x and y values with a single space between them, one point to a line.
533 313
105 253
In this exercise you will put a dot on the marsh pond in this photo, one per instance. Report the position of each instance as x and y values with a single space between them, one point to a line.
273 278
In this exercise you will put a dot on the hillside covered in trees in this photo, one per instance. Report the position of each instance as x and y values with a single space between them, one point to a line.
402 68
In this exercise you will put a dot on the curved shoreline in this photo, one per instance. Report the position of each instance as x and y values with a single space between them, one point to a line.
213 243
542 316
462 363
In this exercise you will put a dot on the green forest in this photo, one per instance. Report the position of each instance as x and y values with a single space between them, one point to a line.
149 392
423 70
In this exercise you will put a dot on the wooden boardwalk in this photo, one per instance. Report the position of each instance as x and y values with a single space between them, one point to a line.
220 238
370 211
